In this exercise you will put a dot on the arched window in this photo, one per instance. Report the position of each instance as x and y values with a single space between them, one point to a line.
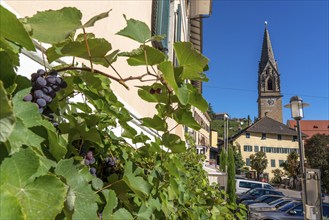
269 84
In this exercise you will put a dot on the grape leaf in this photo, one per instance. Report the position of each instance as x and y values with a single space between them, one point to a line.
122 214
83 199
192 62
21 136
111 203
136 183
11 49
10 209
168 74
8 74
156 122
20 188
7 118
11 28
196 99
17 170
136 30
183 94
98 48
185 117
53 26
93 20
137 56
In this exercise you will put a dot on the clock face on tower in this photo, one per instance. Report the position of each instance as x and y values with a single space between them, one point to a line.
271 101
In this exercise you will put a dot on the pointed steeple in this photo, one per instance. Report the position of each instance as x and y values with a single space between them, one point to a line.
267 52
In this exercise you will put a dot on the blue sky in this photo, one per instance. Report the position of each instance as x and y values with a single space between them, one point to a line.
232 40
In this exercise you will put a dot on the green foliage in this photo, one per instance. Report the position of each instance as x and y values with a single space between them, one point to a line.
239 162
291 167
317 154
223 160
278 174
231 175
43 171
233 127
258 162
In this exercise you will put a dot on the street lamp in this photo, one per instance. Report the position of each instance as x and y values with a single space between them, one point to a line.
226 119
296 105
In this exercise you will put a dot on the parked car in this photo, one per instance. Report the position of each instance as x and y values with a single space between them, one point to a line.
243 185
262 199
255 193
292 210
274 205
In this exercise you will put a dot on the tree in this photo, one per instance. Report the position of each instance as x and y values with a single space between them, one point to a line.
317 154
211 112
291 167
223 160
278 174
231 176
258 162
60 152
239 162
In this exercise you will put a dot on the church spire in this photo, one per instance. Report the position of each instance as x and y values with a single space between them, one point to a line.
267 52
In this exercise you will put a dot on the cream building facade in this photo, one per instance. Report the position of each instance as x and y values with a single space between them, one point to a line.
179 20
277 140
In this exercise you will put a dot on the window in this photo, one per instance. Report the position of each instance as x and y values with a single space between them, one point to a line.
281 162
263 136
279 137
298 210
247 148
256 148
247 135
272 163
247 161
160 22
294 138
269 84
262 149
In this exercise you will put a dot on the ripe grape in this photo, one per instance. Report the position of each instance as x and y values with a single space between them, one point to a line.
63 84
44 88
92 170
41 102
28 98
40 82
51 79
152 91
34 76
41 72
158 90
89 155
38 94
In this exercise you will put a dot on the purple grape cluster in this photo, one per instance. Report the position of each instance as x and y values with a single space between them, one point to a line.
44 88
89 159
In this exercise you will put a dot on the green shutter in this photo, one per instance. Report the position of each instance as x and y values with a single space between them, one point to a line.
162 20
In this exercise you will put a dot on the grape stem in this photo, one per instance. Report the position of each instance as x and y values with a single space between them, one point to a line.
108 186
88 49
120 80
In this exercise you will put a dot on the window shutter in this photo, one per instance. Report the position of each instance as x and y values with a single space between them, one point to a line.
160 22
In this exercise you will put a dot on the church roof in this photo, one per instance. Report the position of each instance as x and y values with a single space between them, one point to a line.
267 51
270 126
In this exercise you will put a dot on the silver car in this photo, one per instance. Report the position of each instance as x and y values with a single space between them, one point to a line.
280 213
270 206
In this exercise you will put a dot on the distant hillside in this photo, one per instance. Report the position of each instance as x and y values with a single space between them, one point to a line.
234 126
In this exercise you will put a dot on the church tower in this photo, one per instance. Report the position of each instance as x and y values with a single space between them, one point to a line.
269 93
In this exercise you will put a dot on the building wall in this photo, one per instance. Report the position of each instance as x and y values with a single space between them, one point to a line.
106 28
287 143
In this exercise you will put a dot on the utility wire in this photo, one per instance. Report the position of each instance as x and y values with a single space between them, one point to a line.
252 90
